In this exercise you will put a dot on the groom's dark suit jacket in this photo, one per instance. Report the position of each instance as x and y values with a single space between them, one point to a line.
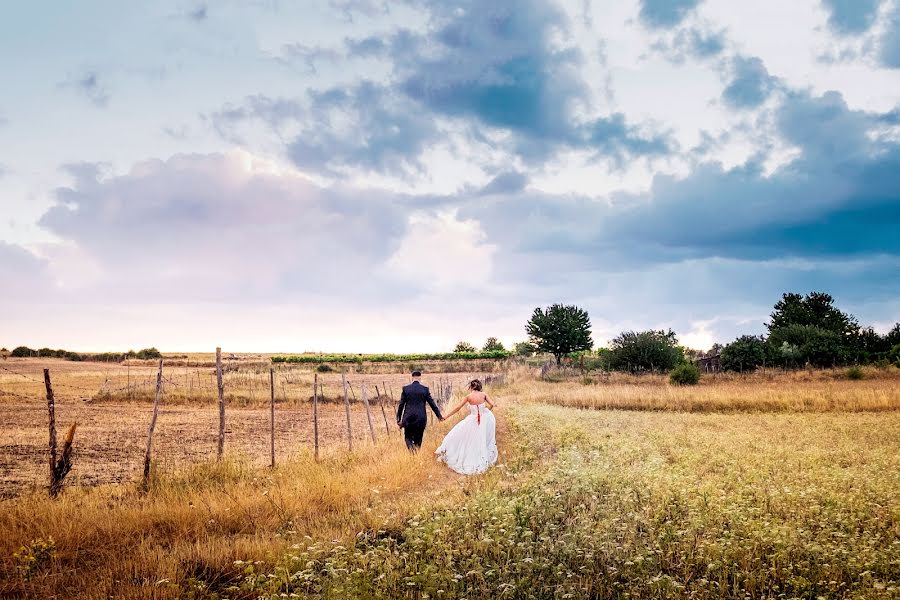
412 405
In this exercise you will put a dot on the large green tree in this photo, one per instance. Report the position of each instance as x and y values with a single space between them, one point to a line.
746 353
816 309
645 351
560 330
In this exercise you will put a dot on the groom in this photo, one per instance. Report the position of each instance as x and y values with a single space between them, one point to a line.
411 416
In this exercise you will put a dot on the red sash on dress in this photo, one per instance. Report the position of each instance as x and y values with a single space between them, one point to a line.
478 408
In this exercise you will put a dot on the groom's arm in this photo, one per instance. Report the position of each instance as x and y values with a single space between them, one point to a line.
401 407
434 406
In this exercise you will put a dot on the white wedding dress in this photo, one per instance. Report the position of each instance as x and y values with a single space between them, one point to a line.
471 446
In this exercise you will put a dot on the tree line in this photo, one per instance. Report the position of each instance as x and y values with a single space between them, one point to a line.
802 331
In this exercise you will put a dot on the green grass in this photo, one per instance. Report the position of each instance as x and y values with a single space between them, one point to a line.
641 505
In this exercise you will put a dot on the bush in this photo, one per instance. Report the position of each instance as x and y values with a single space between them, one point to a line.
685 374
148 353
22 352
855 373
525 349
323 368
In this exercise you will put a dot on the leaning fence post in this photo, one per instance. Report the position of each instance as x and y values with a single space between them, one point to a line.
272 412
347 407
51 410
152 424
221 384
365 397
316 413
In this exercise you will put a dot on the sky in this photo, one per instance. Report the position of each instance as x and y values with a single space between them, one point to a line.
372 176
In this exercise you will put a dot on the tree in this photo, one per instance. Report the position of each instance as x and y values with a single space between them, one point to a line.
493 345
892 337
816 309
746 353
524 349
799 344
21 352
560 330
464 347
645 351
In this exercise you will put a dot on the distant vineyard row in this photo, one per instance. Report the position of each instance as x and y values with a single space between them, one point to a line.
382 358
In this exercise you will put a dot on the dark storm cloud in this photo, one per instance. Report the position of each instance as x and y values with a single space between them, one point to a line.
838 200
482 67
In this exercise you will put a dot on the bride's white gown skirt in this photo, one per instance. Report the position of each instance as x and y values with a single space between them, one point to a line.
471 446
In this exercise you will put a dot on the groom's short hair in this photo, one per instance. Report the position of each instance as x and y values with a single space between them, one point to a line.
417 373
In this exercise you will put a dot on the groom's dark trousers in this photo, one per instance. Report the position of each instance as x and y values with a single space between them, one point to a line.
411 413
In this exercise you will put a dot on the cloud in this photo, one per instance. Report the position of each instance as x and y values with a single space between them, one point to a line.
509 182
750 83
484 73
198 13
497 66
851 17
665 13
25 276
90 85
889 44
223 228
839 199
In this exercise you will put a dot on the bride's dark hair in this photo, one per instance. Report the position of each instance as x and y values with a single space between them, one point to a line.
475 385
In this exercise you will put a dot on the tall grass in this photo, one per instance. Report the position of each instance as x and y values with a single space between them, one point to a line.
191 527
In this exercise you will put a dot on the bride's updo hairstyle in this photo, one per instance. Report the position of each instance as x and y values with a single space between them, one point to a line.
475 385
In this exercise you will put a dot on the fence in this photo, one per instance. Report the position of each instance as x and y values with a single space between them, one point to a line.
288 392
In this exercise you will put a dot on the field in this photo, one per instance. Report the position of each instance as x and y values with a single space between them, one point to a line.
768 486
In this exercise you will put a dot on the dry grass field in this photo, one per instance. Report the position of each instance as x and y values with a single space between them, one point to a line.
775 485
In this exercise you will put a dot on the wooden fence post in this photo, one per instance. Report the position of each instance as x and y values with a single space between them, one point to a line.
221 384
272 412
152 424
51 410
316 413
387 429
365 397
347 408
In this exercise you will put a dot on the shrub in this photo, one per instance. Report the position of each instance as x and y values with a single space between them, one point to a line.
855 373
324 368
22 352
148 353
33 557
882 364
685 374
524 349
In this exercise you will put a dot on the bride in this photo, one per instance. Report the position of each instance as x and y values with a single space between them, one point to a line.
471 446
